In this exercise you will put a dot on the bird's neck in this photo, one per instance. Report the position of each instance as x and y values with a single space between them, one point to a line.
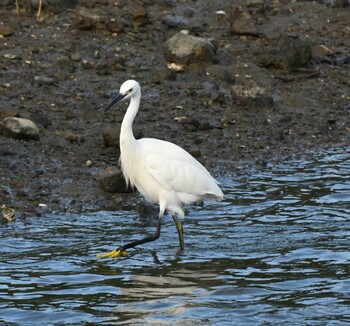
126 133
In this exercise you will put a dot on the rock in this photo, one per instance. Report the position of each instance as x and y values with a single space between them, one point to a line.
182 18
189 124
297 52
195 152
291 53
244 26
320 51
44 80
19 128
112 180
186 49
6 30
65 63
115 26
241 20
70 136
86 20
75 57
7 214
111 138
193 124
13 55
140 16
178 21
8 112
116 63
175 67
88 163
88 64
252 96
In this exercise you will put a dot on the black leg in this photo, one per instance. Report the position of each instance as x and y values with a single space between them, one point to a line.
120 252
150 238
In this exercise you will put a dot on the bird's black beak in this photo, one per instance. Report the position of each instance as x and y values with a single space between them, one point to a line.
119 98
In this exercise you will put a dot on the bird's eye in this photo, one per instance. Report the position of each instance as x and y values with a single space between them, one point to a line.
129 91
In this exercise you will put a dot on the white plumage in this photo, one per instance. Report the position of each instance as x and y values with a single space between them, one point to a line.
162 172
166 174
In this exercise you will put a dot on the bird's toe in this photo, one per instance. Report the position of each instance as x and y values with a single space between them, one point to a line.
116 253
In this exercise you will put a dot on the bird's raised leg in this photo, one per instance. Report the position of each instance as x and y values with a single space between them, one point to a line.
121 251
180 231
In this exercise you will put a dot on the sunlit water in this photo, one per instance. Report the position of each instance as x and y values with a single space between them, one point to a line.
276 251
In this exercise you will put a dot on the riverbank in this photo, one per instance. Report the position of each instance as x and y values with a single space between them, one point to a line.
274 83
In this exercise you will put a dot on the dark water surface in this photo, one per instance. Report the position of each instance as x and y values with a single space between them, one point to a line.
276 251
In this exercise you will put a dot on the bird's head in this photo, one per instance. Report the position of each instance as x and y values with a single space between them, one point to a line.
128 89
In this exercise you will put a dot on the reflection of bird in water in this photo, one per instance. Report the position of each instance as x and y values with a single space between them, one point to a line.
162 172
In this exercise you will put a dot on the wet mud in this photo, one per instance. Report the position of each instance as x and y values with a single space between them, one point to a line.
273 83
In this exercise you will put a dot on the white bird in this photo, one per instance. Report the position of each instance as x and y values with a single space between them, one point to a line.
161 171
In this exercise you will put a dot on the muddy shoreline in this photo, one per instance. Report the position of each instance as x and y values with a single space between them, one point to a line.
274 85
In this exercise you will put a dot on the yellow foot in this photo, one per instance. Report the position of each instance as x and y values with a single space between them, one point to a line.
113 254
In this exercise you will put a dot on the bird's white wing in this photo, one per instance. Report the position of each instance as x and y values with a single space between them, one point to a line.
175 169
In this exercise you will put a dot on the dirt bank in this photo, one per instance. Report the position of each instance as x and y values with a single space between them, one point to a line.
276 84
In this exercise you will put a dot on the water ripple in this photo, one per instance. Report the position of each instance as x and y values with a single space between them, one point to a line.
275 251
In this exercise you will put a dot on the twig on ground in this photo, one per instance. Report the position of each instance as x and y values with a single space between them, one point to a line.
39 10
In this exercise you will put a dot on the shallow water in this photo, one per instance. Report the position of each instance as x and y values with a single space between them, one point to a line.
276 250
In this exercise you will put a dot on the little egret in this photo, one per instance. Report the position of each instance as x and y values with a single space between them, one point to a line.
161 171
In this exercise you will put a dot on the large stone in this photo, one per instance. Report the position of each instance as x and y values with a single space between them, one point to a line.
19 128
185 49
112 180
291 53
